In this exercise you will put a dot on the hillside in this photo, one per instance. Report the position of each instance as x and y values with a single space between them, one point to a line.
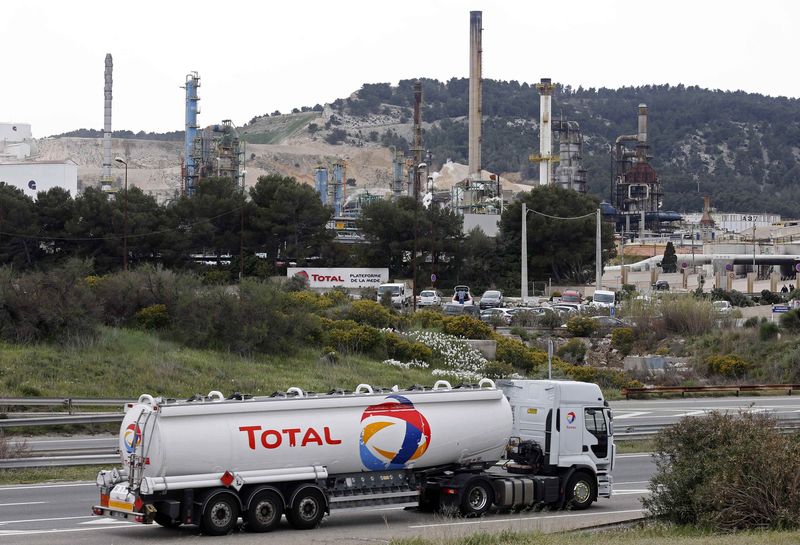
742 149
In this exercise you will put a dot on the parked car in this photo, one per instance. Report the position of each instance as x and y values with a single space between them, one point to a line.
661 285
491 299
571 296
429 298
457 309
722 307
492 315
462 296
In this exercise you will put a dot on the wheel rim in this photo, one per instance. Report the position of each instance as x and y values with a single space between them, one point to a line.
221 514
307 509
581 491
477 498
265 512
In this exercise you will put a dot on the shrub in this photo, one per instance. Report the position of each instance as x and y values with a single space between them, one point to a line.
467 327
687 316
371 313
769 298
622 340
791 321
54 306
605 378
217 277
368 294
498 369
517 354
402 349
727 472
572 351
153 317
429 319
768 330
521 333
555 294
308 300
337 296
550 320
728 366
349 337
525 319
580 326
456 358
751 322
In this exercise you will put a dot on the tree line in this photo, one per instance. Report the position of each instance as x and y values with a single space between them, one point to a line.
223 231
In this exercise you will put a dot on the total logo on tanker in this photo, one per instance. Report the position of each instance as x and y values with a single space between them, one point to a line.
393 433
132 438
570 420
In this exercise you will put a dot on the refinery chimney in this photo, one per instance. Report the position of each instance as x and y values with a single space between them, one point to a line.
475 92
105 172
189 167
641 137
545 88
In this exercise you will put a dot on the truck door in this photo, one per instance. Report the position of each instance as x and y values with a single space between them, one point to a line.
595 433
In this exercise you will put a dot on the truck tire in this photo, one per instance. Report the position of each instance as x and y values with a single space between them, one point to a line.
477 498
580 491
307 510
264 512
220 515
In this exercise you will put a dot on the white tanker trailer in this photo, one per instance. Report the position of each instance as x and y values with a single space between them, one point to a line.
210 461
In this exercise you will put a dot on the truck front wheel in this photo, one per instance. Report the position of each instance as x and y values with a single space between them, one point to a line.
307 510
580 491
476 498
264 512
220 515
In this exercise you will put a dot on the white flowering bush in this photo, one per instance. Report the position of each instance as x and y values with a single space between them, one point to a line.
458 359
413 364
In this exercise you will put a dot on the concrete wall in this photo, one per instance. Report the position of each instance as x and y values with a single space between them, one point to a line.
487 348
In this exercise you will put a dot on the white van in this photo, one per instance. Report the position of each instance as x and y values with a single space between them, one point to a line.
603 299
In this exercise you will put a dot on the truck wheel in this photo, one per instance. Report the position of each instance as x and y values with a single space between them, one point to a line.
307 510
580 491
476 499
220 515
264 512
167 522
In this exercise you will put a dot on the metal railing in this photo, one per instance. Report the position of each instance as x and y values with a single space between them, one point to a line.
730 389
68 403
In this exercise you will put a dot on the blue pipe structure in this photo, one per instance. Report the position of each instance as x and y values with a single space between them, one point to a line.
190 169
321 184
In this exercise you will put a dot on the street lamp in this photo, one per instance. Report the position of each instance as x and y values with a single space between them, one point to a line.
124 217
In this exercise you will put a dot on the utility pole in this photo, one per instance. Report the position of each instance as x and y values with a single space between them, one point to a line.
524 253
598 268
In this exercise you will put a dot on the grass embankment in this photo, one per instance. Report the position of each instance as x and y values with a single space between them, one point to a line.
50 474
123 363
650 534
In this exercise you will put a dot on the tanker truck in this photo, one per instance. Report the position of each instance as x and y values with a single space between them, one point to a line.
210 461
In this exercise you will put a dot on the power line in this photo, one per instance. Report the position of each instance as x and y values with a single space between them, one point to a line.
562 218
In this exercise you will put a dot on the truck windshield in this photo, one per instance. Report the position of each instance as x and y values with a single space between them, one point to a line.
394 290
603 297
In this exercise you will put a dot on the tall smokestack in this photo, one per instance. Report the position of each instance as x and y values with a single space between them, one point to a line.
189 168
475 93
105 172
545 88
641 137
417 135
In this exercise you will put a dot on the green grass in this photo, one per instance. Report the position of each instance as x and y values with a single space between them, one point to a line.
634 446
647 533
49 474
123 363
281 132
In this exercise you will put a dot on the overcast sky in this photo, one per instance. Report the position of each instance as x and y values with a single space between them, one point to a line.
255 57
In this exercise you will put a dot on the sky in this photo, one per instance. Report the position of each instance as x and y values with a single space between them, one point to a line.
255 57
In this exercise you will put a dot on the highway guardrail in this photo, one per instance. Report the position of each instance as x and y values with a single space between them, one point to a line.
730 389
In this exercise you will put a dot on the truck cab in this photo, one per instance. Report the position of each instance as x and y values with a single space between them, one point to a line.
571 424
400 293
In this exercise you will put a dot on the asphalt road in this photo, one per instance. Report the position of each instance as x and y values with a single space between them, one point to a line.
60 513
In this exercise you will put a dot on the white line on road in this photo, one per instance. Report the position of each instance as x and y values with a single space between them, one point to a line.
691 413
37 486
22 503
487 521
631 415
628 492
43 520
642 455
106 521
4 533
631 482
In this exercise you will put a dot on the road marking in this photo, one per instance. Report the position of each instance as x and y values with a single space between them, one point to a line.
624 492
22 503
691 413
105 521
642 455
487 521
43 520
631 415
37 486
631 482
64 530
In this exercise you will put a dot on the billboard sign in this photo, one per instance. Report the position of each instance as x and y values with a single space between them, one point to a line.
330 277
